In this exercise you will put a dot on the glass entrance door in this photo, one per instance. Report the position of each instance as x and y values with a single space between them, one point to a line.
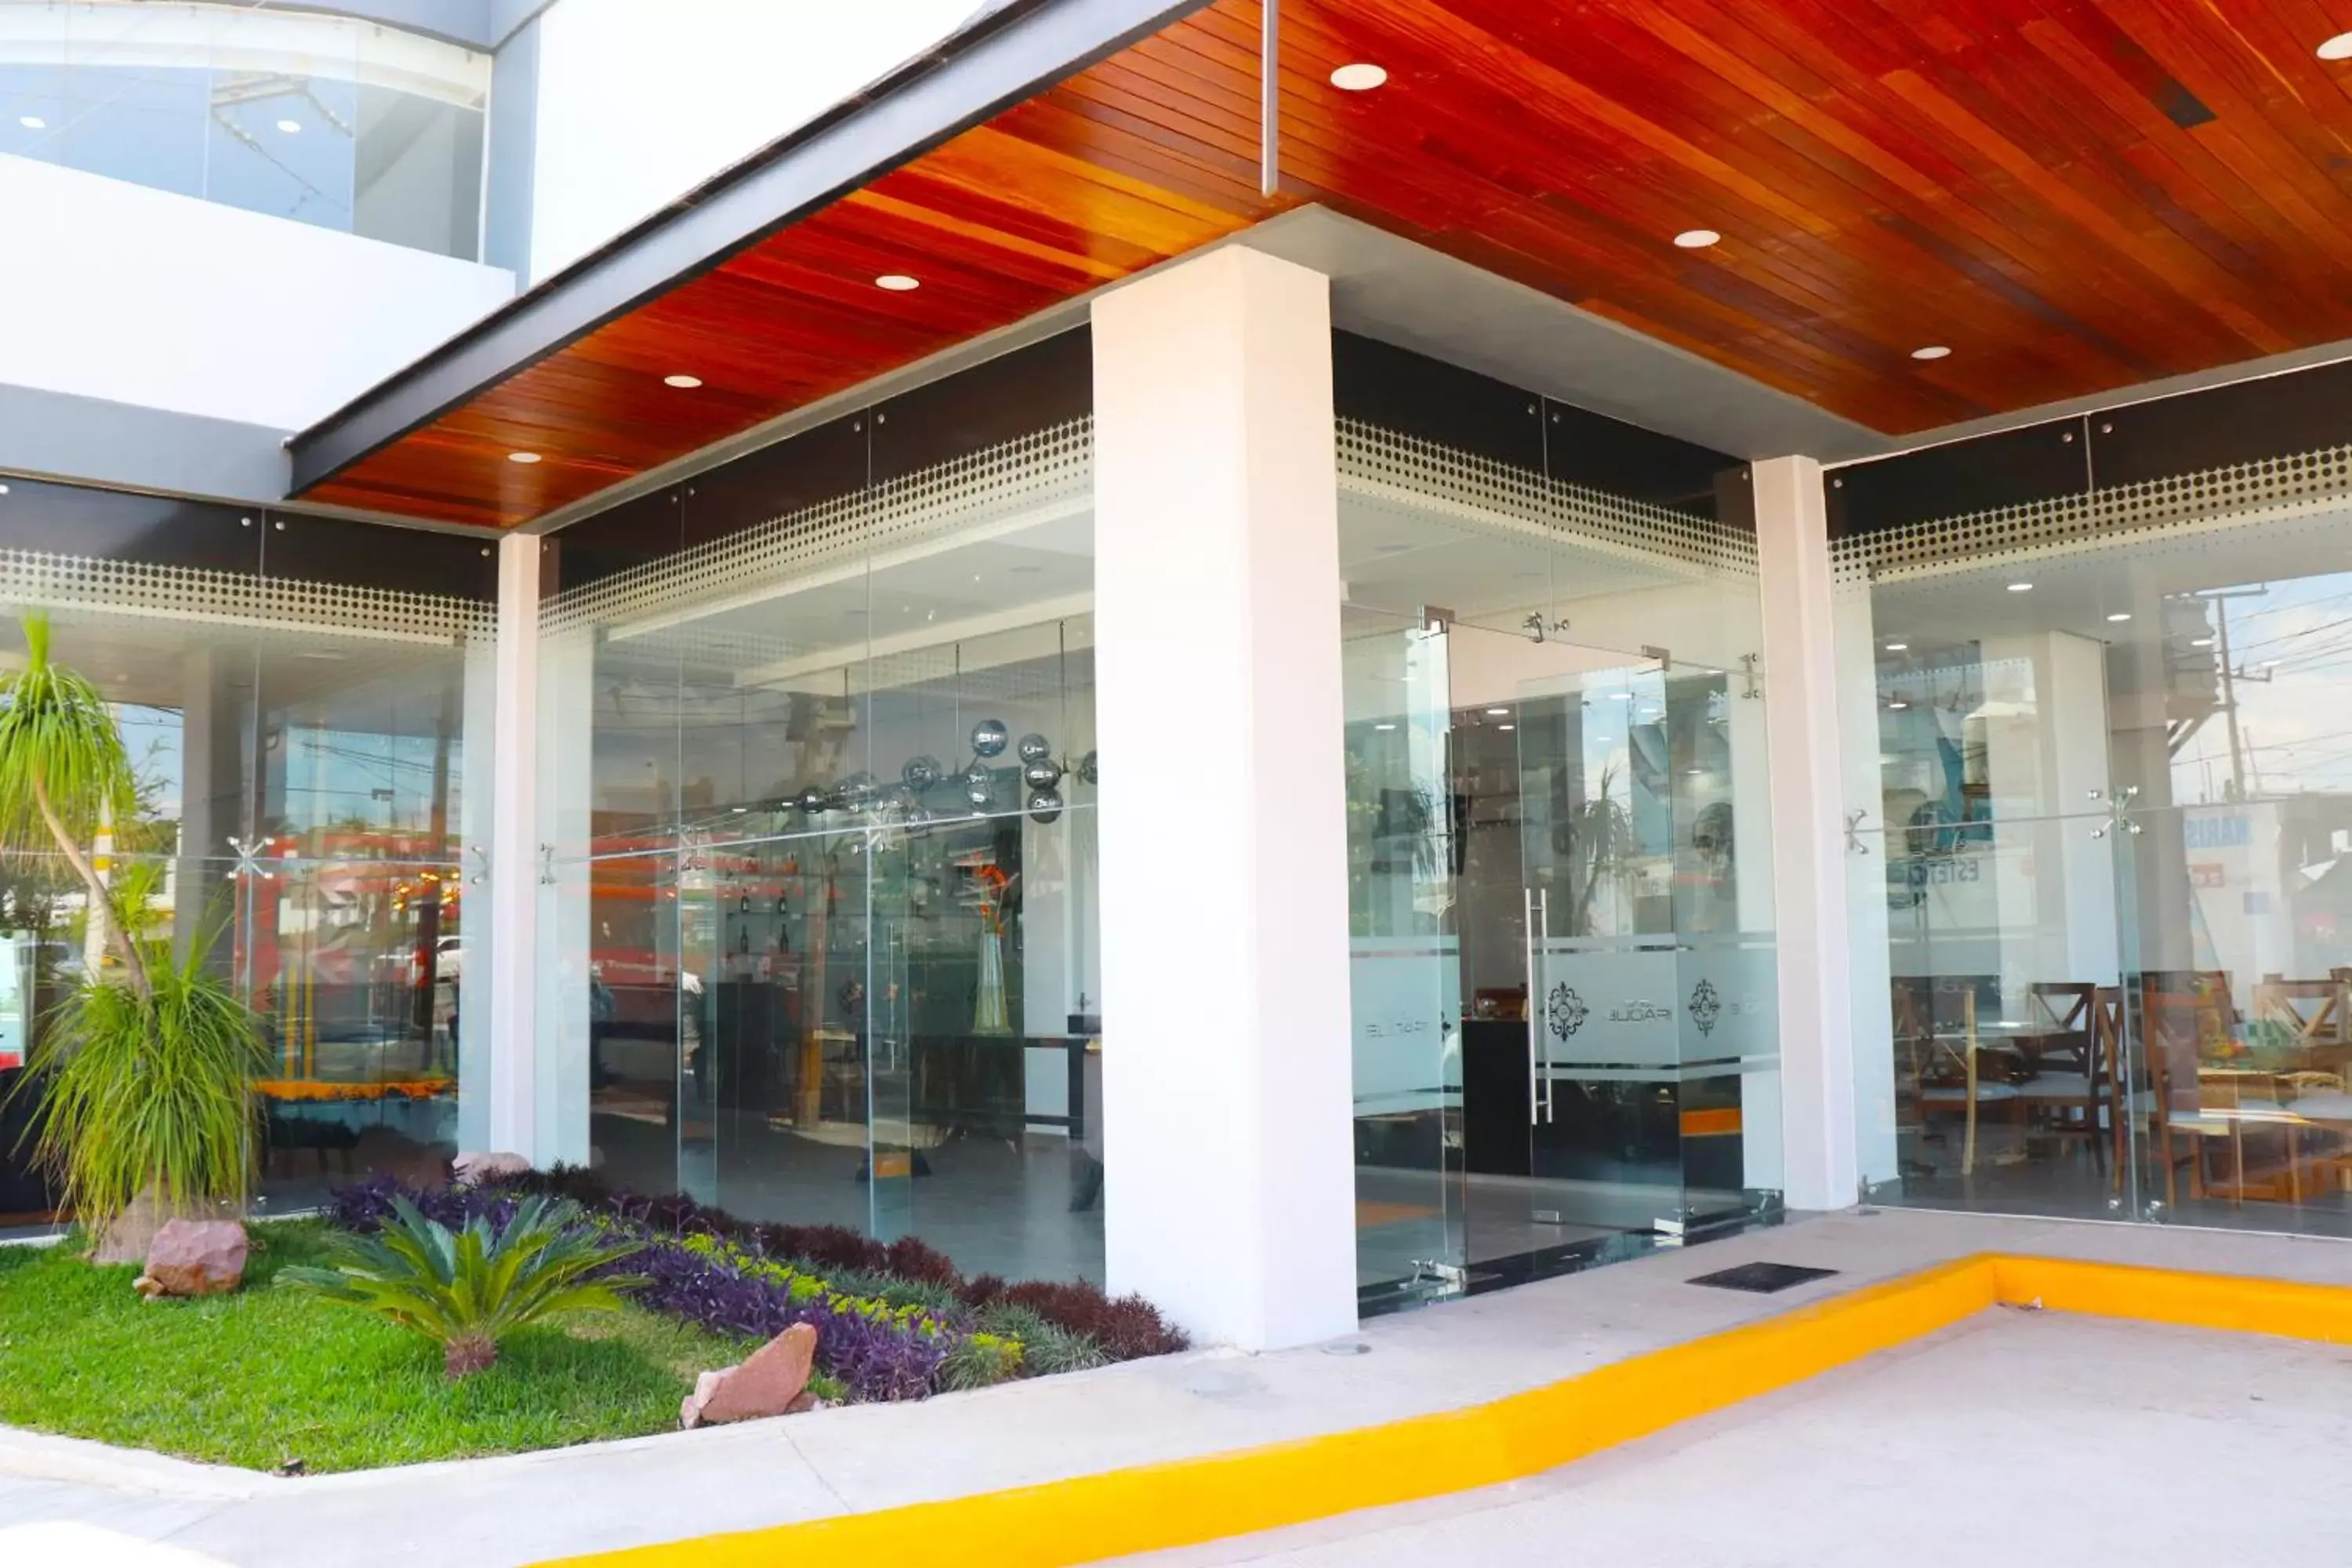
1563 967
1604 920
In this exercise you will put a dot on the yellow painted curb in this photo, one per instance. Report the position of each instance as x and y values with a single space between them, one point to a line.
1182 1502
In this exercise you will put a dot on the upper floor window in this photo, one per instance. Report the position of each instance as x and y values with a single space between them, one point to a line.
346 124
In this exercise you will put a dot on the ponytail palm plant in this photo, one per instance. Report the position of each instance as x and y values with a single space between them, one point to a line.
145 1072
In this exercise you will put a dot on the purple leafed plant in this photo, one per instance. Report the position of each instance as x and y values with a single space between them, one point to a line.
874 1356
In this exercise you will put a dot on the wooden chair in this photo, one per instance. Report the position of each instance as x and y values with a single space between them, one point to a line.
2196 1109
1932 1056
2066 1009
2079 1081
2313 1011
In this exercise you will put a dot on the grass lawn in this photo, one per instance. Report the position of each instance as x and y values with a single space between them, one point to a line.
265 1376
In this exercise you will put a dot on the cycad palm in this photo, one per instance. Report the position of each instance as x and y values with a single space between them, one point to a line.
467 1289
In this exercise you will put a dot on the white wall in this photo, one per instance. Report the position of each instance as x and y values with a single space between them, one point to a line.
638 104
138 295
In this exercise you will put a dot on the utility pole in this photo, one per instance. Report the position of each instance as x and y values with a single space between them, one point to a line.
2229 700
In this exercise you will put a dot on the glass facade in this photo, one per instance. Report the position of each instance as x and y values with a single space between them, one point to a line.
308 722
1562 977
346 124
818 772
2102 797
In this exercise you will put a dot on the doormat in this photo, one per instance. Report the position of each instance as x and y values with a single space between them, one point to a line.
1762 1279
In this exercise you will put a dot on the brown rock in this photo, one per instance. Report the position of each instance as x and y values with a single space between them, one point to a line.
131 1233
768 1383
473 1168
195 1257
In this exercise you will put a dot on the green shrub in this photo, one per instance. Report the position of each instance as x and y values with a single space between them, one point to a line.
147 1087
978 1360
468 1289
1045 1348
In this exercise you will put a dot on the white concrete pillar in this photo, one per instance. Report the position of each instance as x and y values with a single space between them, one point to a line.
1227 1081
1817 1058
563 960
513 904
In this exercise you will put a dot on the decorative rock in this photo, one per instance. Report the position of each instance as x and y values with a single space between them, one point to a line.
771 1382
474 1168
127 1237
195 1257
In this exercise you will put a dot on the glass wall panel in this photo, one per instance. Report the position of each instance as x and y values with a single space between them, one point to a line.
342 124
1406 967
309 819
2099 791
828 780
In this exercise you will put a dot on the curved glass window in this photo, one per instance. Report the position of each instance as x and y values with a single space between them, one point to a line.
345 124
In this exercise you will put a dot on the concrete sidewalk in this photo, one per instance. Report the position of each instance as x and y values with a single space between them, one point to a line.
532 1507
2044 1436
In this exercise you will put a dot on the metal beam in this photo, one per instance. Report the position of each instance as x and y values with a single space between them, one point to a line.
1008 55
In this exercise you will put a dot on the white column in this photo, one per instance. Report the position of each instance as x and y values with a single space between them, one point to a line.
1817 1058
514 852
1227 1083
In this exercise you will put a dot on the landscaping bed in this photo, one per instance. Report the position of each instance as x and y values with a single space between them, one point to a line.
263 1376
894 1320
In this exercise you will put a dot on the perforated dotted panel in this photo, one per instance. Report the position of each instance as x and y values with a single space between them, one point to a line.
2244 495
270 606
1387 467
1053 465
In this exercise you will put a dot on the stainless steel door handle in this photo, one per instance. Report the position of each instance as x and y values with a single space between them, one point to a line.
1535 1009
1543 914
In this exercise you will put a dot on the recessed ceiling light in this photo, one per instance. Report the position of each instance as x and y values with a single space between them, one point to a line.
32 122
523 456
1698 239
1383 726
1898 702
1362 77
1498 712
1506 726
2201 642
898 283
2120 616
1933 350
1622 695
683 383
2338 48
291 127
2020 587
1897 646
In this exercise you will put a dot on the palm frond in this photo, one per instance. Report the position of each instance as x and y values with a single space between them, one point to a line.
475 1285
153 1090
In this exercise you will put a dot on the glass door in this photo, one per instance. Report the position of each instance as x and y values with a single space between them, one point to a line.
1405 959
1606 921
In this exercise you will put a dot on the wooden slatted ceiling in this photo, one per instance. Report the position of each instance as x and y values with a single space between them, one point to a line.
2073 195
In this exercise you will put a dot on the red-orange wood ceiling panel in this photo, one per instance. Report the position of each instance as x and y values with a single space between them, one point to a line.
2073 195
